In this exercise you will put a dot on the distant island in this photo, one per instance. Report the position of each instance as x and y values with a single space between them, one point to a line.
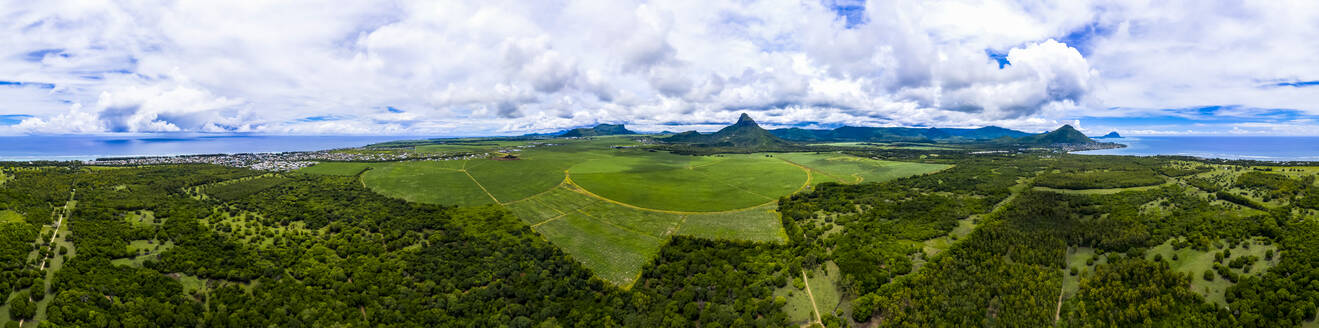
1110 135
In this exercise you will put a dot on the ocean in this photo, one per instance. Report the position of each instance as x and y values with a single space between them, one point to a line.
65 148
1226 147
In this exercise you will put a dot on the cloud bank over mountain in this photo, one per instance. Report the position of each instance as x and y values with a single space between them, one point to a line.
511 67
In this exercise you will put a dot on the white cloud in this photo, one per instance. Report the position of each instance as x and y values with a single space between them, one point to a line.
481 67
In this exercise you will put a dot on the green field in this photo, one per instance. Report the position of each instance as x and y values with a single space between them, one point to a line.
614 253
613 208
756 224
336 168
1193 262
851 169
10 216
426 182
738 182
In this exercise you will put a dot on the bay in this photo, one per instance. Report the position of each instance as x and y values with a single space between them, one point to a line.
1260 148
86 147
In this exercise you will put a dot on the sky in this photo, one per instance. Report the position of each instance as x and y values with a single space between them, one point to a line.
493 67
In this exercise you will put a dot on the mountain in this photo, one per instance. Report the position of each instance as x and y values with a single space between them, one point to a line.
890 134
743 134
1064 135
598 130
1109 135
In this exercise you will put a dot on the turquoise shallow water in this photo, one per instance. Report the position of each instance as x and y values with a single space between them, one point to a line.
27 148
1227 147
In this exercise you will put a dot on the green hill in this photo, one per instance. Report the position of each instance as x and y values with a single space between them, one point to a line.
892 134
745 134
1064 135
598 130
1109 135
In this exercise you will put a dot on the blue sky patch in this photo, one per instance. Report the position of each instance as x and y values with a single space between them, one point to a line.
320 118
391 109
852 11
1080 38
37 56
1298 84
998 56
25 84
6 120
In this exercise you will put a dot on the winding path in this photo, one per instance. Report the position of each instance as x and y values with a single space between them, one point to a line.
807 282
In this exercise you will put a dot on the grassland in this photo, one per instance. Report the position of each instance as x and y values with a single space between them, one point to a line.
756 224
738 182
612 208
1195 263
336 168
426 182
7 216
851 169
615 254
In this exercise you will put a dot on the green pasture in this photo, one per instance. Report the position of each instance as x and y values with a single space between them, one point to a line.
614 253
834 167
7 216
756 224
705 186
1193 262
613 208
426 182
590 229
142 217
336 168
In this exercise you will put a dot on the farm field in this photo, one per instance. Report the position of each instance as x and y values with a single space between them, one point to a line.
851 169
600 204
612 207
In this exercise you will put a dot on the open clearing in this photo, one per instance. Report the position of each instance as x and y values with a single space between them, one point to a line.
1195 263
611 206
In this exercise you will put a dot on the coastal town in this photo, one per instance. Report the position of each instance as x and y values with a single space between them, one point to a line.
285 161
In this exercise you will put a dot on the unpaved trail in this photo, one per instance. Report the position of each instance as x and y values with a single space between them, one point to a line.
810 295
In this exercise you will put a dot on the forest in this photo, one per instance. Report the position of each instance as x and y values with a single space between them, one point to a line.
994 240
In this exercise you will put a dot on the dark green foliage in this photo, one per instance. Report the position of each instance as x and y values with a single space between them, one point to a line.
235 190
20 307
1099 179
1135 292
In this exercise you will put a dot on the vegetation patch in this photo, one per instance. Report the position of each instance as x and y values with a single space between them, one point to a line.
756 224
234 190
1098 179
614 253
9 216
841 168
336 168
1218 261
428 182
698 185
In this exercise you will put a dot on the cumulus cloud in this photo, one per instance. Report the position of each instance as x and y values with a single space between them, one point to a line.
508 67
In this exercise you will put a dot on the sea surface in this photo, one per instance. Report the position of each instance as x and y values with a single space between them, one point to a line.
1226 147
64 148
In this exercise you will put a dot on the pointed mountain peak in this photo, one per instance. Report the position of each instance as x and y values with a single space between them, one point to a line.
745 120
1067 127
